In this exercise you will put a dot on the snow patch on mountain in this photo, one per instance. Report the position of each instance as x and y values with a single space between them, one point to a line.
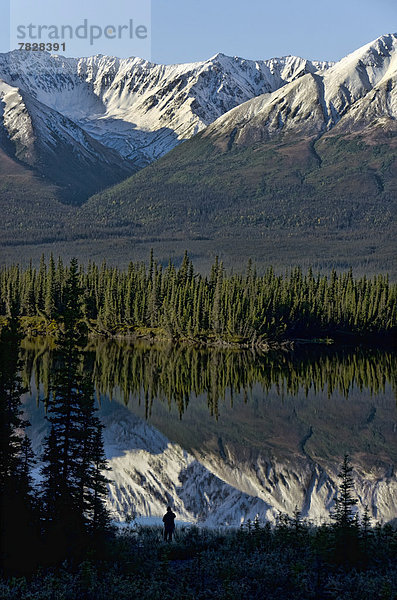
359 72
141 109
16 122
58 147
360 89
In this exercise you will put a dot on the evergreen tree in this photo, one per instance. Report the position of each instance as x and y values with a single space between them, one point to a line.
91 462
69 470
99 518
343 514
366 533
346 530
50 299
17 507
249 306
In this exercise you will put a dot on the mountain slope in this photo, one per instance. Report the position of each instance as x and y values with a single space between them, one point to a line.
305 171
88 123
142 109
317 156
58 148
29 206
316 102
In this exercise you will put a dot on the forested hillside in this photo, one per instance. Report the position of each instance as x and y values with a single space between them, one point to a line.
296 165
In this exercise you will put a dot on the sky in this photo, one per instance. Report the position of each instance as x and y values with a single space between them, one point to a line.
172 31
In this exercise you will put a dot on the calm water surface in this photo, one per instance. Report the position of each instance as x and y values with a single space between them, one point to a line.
224 435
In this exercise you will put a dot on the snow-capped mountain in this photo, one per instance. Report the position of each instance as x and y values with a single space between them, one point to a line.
86 123
142 109
360 89
44 138
316 154
113 116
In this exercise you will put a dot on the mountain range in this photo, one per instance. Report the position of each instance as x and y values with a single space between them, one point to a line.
108 109
285 148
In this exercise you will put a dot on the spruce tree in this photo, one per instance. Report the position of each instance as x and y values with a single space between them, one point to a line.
344 515
49 300
71 453
346 531
254 307
99 517
17 507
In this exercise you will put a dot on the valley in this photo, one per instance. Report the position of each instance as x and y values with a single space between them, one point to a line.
289 160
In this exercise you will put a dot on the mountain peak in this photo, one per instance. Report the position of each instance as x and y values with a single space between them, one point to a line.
142 110
219 56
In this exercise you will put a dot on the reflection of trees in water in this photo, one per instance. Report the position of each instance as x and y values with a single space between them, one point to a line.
174 373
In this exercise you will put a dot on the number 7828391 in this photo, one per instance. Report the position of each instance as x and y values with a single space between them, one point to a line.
42 46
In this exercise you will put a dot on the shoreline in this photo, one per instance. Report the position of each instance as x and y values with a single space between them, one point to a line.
32 327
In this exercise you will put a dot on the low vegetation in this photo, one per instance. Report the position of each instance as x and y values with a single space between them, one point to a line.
292 560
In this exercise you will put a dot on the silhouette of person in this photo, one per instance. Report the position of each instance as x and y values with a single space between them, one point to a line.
169 524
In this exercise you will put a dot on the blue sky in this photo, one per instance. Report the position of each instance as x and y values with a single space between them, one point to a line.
188 30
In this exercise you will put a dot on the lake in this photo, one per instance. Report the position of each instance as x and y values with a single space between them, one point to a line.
225 435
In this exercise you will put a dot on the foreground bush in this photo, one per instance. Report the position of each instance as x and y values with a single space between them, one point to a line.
293 561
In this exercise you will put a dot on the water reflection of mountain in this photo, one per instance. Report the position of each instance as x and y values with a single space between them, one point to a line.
266 431
174 373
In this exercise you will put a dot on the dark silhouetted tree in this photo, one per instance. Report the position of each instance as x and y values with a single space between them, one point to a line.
17 507
70 481
346 527
344 514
